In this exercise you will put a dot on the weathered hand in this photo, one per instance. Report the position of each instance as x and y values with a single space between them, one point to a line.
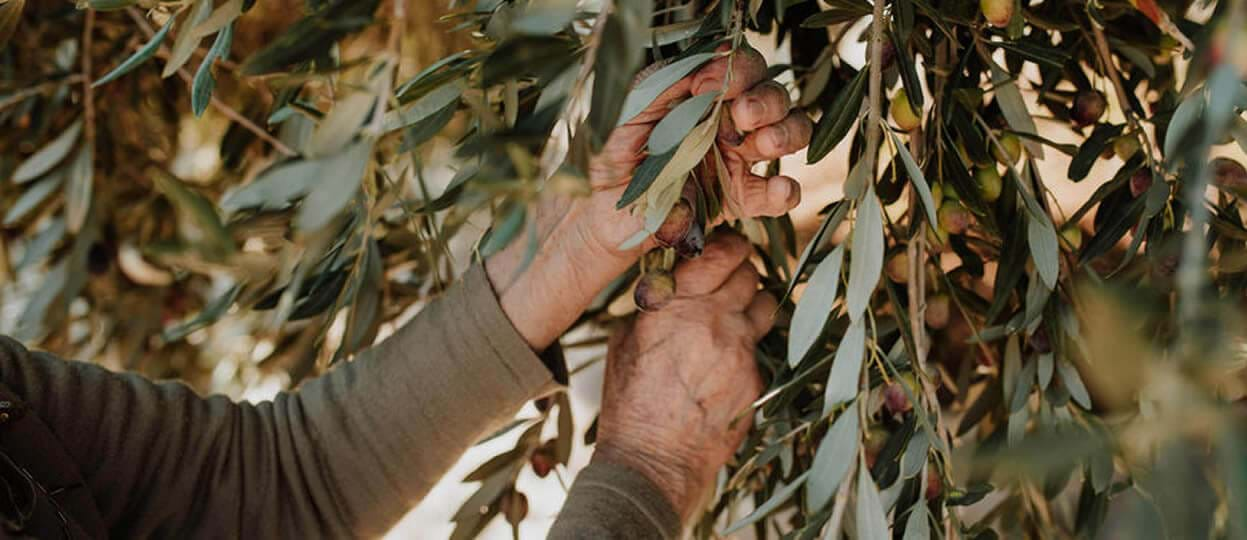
580 252
758 107
677 378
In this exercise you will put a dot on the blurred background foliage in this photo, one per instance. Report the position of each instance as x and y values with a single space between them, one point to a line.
239 193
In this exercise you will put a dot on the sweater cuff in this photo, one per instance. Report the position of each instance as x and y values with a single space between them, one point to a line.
479 304
618 501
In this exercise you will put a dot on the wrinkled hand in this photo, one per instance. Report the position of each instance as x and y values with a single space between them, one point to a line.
759 108
581 236
677 378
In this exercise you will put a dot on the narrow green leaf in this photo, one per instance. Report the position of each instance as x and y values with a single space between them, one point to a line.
838 118
646 91
837 214
846 368
1011 369
916 178
343 174
858 180
187 41
1184 118
1073 383
667 187
780 497
1046 368
424 107
1025 380
917 525
508 227
674 127
866 263
812 312
871 523
42 244
211 313
834 459
220 18
78 190
342 123
544 17
204 83
1091 149
139 57
201 226
915 455
49 156
1014 108
1044 250
32 198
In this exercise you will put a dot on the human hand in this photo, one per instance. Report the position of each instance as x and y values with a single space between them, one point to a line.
757 124
677 378
580 252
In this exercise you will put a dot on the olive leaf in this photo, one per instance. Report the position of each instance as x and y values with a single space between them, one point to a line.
667 187
646 91
79 188
871 523
677 124
32 198
917 525
866 262
223 16
834 459
187 40
204 83
342 175
49 156
916 178
837 118
342 124
544 16
813 310
780 496
424 107
1014 108
143 54
846 369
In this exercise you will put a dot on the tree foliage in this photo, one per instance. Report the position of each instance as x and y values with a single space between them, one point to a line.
959 356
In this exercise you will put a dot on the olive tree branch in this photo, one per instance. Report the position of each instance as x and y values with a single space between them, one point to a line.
219 105
88 93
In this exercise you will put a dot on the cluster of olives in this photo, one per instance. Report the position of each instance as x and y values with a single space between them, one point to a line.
683 235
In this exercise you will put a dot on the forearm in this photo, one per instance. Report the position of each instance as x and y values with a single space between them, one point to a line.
571 266
346 455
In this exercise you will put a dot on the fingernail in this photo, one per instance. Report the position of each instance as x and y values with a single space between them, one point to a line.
781 190
757 109
779 136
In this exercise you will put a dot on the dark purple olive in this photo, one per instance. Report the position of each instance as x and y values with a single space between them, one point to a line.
1229 174
1140 182
1088 107
677 225
693 243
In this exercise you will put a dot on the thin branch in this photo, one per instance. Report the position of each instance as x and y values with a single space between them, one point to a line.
874 127
217 104
88 93
21 95
1101 46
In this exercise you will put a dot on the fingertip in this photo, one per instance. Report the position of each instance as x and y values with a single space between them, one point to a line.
761 313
